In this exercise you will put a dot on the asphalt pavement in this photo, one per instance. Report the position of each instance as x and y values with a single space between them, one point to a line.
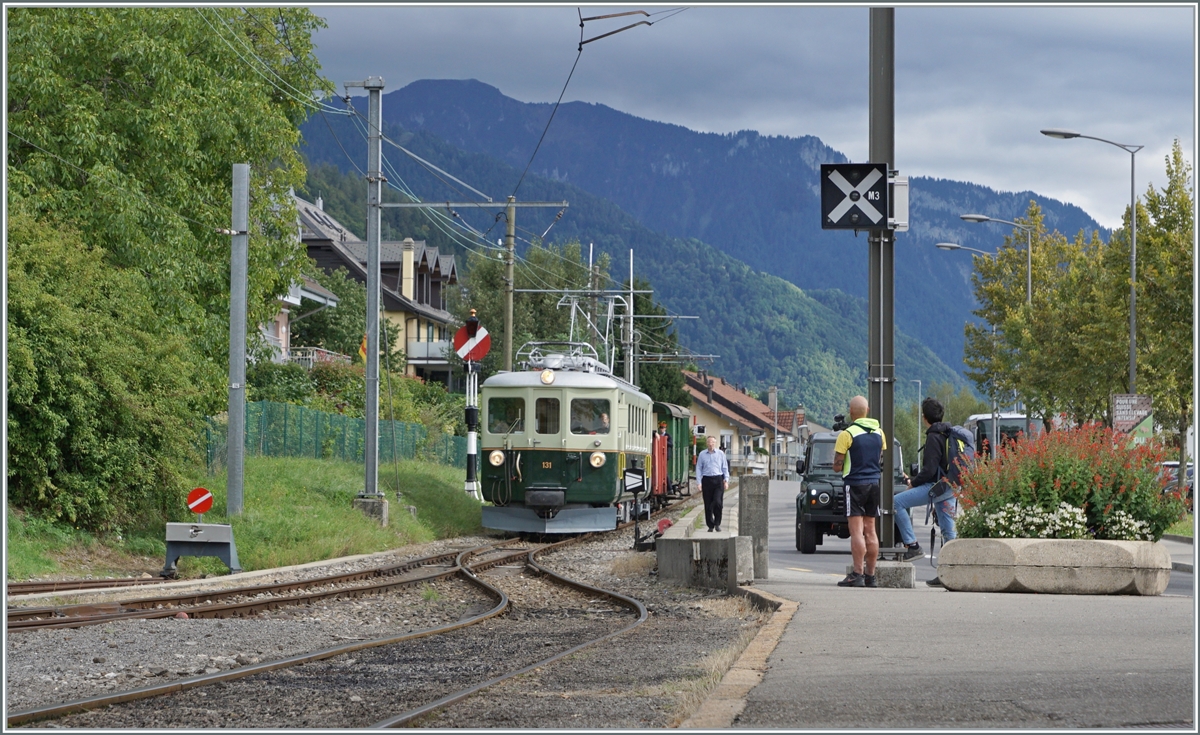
930 658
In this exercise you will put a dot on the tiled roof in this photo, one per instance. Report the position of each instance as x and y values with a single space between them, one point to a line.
731 401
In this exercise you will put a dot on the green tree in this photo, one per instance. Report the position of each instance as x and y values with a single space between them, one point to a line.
1061 353
99 403
1165 271
338 328
125 123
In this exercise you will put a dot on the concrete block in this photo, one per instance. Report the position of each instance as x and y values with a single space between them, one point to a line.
703 560
1055 566
376 508
754 518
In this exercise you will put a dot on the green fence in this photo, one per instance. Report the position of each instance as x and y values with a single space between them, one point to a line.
287 430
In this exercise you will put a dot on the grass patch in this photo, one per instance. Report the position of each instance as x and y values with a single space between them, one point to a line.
1184 527
294 510
37 547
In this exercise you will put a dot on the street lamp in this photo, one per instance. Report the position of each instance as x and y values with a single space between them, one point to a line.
1028 248
950 246
1132 151
919 458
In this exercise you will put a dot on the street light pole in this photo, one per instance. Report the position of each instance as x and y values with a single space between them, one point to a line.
1028 272
1132 151
995 430
1028 248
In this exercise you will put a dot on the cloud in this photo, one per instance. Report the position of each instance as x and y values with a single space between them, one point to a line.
973 84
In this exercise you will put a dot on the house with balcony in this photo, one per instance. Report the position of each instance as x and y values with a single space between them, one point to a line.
413 283
277 332
750 432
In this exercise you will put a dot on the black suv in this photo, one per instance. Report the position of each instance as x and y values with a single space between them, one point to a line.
821 504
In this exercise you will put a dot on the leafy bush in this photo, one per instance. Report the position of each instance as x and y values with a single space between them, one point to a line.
1078 483
282 383
101 410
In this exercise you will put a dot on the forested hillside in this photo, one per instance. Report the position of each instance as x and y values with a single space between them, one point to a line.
766 330
751 196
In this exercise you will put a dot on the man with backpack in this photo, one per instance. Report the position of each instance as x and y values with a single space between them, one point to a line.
947 449
859 453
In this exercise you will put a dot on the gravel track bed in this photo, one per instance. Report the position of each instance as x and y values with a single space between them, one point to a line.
364 687
649 677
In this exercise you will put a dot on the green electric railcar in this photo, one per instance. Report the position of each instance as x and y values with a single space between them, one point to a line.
555 440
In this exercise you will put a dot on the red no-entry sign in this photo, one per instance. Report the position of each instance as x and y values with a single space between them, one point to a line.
200 500
472 348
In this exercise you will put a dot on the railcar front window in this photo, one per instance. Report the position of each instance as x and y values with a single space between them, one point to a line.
506 415
547 415
590 416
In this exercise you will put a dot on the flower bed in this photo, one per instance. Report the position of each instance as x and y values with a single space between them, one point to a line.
1085 483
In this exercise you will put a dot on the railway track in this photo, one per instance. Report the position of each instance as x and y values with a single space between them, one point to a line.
469 565
253 599
74 585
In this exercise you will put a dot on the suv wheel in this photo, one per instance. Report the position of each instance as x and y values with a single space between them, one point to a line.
806 536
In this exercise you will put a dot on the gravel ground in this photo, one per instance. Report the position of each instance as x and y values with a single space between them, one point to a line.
645 678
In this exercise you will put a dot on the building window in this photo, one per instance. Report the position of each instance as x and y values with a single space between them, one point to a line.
429 332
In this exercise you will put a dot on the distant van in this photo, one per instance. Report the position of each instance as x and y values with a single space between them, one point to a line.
1011 425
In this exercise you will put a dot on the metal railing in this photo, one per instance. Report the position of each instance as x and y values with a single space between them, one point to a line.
310 356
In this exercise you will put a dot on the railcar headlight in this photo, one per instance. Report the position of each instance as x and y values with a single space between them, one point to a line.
597 459
547 376
823 498
496 458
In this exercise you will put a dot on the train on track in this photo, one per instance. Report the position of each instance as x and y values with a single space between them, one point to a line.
557 435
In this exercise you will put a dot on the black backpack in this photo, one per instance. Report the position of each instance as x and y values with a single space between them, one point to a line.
959 456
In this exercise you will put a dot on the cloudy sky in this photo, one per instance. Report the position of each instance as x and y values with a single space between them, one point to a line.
974 84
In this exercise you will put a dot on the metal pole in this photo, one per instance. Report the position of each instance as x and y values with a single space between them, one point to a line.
238 269
509 254
882 255
1132 277
1028 300
374 86
995 405
629 327
917 448
472 487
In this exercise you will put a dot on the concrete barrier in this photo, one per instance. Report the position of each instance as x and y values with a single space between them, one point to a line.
695 557
1055 566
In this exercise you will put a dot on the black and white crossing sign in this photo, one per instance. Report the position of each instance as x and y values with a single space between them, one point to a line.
854 196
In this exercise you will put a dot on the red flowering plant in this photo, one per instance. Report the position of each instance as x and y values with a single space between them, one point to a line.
1074 483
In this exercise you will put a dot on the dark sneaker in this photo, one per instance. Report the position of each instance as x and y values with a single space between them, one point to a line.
869 580
718 528
710 529
935 582
913 552
853 579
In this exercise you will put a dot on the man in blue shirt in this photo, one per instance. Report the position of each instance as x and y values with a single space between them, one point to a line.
860 447
712 472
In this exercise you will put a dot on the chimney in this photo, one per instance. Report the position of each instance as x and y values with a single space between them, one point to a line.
320 203
708 384
406 270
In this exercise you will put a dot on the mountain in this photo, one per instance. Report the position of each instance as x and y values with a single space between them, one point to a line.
766 330
752 196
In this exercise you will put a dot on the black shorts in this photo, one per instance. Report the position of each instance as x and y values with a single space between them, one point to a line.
862 500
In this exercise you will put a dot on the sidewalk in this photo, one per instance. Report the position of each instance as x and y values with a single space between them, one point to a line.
1183 552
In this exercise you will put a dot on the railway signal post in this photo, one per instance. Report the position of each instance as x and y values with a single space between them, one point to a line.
472 343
